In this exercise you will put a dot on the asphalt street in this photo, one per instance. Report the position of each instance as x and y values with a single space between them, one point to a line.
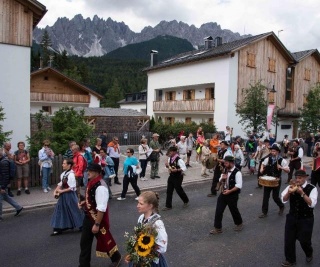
26 241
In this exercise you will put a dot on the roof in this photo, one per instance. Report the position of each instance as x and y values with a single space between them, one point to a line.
129 98
301 55
110 112
222 50
81 86
38 10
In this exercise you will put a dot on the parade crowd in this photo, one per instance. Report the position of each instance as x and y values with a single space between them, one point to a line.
224 157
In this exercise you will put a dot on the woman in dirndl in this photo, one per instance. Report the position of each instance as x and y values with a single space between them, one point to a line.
148 205
67 214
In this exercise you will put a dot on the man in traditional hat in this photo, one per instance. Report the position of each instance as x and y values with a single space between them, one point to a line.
231 181
176 168
155 156
223 152
273 166
262 153
296 158
96 222
299 223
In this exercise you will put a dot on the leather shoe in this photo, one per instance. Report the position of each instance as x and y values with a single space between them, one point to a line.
18 212
287 264
166 208
157 176
211 195
216 231
263 215
117 182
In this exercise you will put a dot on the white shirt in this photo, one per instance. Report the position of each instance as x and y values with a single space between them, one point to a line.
71 180
227 136
227 153
238 178
102 197
300 153
238 154
182 147
143 150
284 163
180 163
313 195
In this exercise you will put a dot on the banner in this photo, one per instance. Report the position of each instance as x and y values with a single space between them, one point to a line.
270 115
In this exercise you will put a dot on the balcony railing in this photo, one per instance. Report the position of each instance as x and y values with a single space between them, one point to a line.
49 97
184 105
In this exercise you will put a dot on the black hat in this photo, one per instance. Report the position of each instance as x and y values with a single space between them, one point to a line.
266 141
301 173
173 148
275 146
225 142
229 158
94 167
297 141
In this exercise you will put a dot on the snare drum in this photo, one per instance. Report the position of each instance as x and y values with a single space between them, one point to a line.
269 181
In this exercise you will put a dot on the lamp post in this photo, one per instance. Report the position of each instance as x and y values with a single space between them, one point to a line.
271 93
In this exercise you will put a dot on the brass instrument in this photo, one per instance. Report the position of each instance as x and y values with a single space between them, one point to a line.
221 186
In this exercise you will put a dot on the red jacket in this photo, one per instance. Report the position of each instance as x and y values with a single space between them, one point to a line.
78 164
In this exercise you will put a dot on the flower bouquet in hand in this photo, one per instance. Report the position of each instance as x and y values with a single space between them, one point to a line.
141 246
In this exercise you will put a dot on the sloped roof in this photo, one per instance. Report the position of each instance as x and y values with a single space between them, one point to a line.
79 85
110 112
136 101
223 49
38 9
301 55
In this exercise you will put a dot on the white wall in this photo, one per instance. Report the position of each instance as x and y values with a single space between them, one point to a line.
94 102
36 107
223 72
282 132
15 90
141 107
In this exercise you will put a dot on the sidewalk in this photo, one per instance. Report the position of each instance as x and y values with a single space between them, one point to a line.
38 199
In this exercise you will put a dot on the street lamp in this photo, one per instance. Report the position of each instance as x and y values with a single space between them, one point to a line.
271 93
270 108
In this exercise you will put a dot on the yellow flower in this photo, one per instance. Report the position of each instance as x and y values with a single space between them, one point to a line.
141 251
146 241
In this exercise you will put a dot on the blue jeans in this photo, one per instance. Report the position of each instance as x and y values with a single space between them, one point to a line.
45 177
8 199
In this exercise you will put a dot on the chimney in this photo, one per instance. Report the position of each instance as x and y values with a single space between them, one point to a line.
41 63
208 42
218 41
154 58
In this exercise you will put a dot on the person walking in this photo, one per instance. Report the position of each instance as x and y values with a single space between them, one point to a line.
113 151
130 167
176 168
4 181
302 197
96 221
205 153
155 156
296 154
190 142
238 157
231 180
21 159
143 151
66 214
46 156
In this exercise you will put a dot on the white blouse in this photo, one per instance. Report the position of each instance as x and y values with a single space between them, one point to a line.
143 149
71 180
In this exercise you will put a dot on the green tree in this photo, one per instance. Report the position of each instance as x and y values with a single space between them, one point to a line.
310 113
61 61
67 125
253 109
45 45
113 95
4 136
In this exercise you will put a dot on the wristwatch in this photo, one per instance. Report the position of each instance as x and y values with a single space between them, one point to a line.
97 224
303 195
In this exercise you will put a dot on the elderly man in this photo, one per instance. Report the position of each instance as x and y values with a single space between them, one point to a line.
182 148
96 221
299 223
155 156
231 181
273 166
4 181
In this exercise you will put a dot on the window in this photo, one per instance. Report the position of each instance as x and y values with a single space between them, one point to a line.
307 74
188 120
46 109
272 65
210 121
188 94
170 96
251 60
169 120
289 84
210 93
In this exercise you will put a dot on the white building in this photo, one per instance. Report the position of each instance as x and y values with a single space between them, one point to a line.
17 20
135 101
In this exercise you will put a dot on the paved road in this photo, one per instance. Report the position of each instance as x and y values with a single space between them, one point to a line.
25 240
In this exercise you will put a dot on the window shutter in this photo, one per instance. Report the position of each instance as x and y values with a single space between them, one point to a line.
167 96
193 93
174 95
208 93
185 92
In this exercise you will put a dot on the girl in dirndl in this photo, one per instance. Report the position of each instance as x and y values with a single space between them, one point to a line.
66 214
148 205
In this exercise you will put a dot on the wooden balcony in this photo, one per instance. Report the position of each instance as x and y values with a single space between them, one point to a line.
50 97
205 105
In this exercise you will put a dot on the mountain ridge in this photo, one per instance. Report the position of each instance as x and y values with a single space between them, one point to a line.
97 36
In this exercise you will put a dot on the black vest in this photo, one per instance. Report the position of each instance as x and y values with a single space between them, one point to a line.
232 181
271 169
296 153
175 164
298 207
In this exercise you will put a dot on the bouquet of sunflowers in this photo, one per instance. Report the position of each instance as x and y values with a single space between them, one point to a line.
141 246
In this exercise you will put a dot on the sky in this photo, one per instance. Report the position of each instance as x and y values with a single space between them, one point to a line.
296 22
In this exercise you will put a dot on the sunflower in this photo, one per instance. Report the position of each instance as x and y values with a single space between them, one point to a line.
146 241
141 251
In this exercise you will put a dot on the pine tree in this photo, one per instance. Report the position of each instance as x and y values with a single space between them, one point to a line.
113 95
45 45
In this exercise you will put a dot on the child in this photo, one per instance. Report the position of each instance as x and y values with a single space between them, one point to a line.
252 164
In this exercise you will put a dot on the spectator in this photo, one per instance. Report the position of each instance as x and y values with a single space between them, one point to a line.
103 138
46 156
69 154
79 166
113 151
143 151
8 152
88 157
182 148
238 157
228 134
155 156
21 159
190 142
96 148
309 141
